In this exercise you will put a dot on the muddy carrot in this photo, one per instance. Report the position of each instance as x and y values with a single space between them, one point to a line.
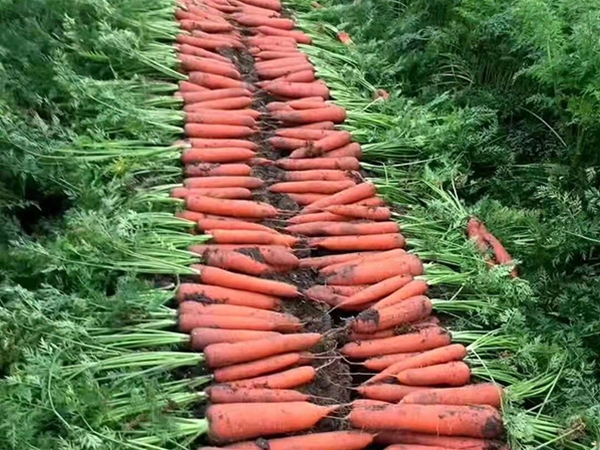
193 307
434 356
205 25
237 208
425 339
318 175
392 393
227 394
201 337
252 237
217 155
227 193
290 89
408 311
363 257
359 243
323 145
429 440
216 294
335 114
214 170
379 290
260 367
288 379
474 394
333 440
223 143
222 355
371 201
361 212
203 43
235 261
322 261
346 229
198 51
319 164
316 187
282 143
305 134
223 278
235 422
274 255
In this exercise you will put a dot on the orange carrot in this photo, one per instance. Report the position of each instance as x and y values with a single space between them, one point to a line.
216 94
260 367
223 278
272 42
361 212
270 73
425 339
298 36
380 363
370 272
187 322
291 61
223 104
317 217
306 199
222 355
392 393
223 143
323 147
205 25
217 182
379 290
359 243
214 117
193 307
274 255
216 155
350 195
191 63
303 76
343 228
353 150
288 379
201 337
237 262
290 89
214 170
217 131
408 311
455 373
434 356
282 143
252 237
203 43
333 113
274 5
234 422
390 332
254 20
324 294
318 175
194 50
317 126
365 257
309 103
474 394
333 440
319 164
371 201
427 441
215 294
213 81
227 193
317 187
414 288
185 87
231 224
444 420
227 394
322 261
236 208
305 134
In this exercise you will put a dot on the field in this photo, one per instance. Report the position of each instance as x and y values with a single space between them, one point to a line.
176 185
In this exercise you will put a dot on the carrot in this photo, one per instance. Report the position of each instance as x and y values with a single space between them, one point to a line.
272 56
502 256
392 393
353 150
281 143
318 175
252 237
213 81
323 146
234 422
237 262
371 201
455 373
223 143
205 25
216 294
220 118
359 243
289 61
217 131
228 193
274 255
426 339
237 208
322 261
270 73
303 76
306 199
319 164
274 5
272 42
291 89
380 363
379 290
317 187
216 155
227 394
206 44
444 420
298 36
217 182
222 355
187 322
185 87
223 278
414 288
309 103
410 310
390 332
253 20
317 217
360 212
370 272
191 63
333 113
223 104
324 294
350 195
432 357
333 440
343 228
201 337
231 224
317 126
198 308
288 379
474 394
215 170
259 367
232 39
428 440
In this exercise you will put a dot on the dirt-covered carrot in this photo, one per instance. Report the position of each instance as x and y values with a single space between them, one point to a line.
197 64
305 134
287 379
205 25
254 20
333 440
347 196
425 339
323 145
364 257
217 131
359 243
444 420
307 198
223 143
455 373
187 322
215 94
414 288
272 42
222 355
322 261
434 356
361 212
201 337
235 208
345 228
308 103
215 294
235 422
335 114
428 441
217 155
275 255
235 261
319 164
228 193
316 187
282 143
228 394
213 81
223 278
217 170
474 394
408 311
392 393
252 237
316 217
318 175
290 89
193 307
260 367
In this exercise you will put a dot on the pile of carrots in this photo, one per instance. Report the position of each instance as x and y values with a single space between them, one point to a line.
263 359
